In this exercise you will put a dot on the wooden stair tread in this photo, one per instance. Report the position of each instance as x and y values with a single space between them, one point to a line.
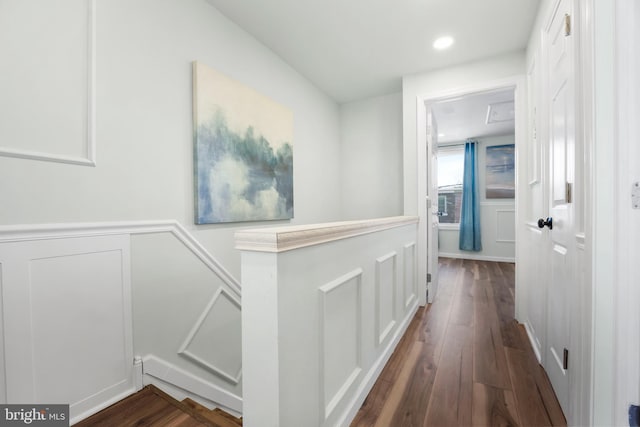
153 407
217 416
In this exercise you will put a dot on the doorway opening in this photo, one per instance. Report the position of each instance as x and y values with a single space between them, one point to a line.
494 116
487 119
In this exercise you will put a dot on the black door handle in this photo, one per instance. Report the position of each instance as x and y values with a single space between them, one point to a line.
548 222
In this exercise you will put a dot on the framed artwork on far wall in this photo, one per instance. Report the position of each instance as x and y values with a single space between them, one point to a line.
500 182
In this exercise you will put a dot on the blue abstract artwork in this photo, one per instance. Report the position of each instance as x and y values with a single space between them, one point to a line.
243 156
500 172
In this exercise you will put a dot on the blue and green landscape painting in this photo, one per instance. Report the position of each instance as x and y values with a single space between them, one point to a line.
240 177
243 156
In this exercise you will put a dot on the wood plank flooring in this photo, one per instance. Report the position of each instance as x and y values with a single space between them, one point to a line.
464 360
154 408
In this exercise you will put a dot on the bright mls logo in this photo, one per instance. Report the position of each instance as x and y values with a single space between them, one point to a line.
34 415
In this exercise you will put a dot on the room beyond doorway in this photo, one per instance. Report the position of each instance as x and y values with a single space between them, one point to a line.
427 145
488 118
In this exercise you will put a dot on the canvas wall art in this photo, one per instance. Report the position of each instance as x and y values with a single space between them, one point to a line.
500 172
243 155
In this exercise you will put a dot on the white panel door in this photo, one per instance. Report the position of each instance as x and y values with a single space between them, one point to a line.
432 210
66 305
561 109
533 240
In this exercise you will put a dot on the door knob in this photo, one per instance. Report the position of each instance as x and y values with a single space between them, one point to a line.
548 222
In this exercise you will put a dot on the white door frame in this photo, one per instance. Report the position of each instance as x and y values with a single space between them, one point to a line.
626 293
610 68
519 86
432 206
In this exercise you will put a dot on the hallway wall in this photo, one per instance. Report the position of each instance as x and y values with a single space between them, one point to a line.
142 178
371 155
143 103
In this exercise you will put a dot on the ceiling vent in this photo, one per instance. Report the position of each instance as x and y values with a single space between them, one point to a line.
500 112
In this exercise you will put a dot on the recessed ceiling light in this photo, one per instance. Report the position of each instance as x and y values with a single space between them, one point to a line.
442 43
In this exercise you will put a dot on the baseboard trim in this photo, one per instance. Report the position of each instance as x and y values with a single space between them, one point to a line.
103 405
156 368
532 341
477 257
370 378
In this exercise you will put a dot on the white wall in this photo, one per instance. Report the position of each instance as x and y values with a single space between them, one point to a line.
497 217
439 82
141 100
143 54
186 328
371 137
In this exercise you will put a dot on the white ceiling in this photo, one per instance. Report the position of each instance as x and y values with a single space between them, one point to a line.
466 117
355 49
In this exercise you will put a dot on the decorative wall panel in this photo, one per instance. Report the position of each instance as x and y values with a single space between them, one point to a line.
410 285
53 119
505 225
341 335
386 290
215 341
67 322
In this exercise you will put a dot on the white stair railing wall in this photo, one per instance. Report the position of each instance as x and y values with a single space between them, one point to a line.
80 302
324 306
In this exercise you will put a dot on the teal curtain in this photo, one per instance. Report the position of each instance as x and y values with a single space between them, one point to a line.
470 239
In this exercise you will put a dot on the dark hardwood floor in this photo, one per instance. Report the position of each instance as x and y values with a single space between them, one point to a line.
464 360
154 408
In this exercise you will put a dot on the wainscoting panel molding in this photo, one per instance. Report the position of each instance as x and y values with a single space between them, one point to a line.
18 233
222 358
410 270
319 321
341 338
386 291
506 225
90 262
67 322
77 118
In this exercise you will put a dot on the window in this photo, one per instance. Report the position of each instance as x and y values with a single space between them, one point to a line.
450 174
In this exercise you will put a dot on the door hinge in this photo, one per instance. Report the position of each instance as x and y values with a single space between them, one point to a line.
567 25
428 277
569 192
565 360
